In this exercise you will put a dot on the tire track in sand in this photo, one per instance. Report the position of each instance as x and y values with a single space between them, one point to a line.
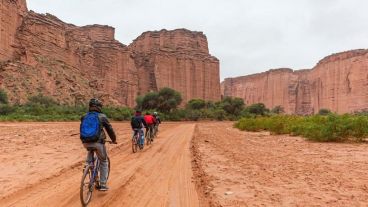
161 175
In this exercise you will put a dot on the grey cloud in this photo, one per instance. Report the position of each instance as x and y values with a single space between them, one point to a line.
247 36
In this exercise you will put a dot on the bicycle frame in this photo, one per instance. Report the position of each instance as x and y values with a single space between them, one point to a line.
94 164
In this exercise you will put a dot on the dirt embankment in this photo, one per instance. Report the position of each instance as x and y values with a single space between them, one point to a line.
257 169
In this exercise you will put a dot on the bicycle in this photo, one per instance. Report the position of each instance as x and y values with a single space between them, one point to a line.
135 141
149 135
90 178
155 130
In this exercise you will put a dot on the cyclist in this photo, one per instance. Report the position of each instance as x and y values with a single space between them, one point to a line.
150 121
137 123
158 120
95 105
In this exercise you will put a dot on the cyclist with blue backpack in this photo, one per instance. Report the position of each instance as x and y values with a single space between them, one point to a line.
137 123
93 136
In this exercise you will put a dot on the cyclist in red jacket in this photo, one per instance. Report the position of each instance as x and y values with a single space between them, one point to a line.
150 121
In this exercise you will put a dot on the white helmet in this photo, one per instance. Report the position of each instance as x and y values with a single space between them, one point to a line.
155 113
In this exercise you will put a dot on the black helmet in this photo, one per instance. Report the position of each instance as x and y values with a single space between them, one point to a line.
95 102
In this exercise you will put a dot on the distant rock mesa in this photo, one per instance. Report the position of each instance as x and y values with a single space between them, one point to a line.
42 54
338 82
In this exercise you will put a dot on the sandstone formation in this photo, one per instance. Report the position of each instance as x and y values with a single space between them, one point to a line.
338 82
178 59
11 14
42 54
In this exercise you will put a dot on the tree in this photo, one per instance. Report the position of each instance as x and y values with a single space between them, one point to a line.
232 106
165 100
150 101
196 104
168 99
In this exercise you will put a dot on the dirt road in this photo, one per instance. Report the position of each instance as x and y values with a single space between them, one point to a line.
257 169
190 164
160 175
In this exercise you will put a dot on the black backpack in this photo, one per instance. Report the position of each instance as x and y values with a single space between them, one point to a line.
136 123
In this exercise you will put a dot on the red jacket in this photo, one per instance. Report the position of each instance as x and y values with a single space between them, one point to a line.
149 119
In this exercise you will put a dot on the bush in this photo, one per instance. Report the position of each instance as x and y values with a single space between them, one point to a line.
3 97
330 128
165 100
324 112
41 100
118 113
232 106
278 110
6 109
193 115
256 109
196 104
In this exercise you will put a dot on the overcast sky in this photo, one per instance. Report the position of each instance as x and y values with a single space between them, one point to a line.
248 36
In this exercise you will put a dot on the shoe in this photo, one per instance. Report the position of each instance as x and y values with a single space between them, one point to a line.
103 188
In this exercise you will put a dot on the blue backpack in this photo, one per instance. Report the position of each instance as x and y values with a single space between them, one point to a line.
90 128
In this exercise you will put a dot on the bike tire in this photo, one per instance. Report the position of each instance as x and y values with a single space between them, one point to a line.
148 137
108 167
135 144
86 186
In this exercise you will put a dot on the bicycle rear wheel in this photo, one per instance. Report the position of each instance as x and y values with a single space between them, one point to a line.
86 187
135 144
148 137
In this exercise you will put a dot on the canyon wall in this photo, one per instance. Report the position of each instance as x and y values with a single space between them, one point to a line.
338 82
42 54
178 59
11 14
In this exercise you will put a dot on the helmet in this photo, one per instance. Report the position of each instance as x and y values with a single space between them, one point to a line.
155 113
95 102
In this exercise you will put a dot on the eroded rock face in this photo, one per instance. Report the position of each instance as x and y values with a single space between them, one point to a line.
72 64
338 82
178 59
11 14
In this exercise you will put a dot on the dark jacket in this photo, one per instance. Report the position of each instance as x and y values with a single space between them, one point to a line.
140 119
158 120
105 124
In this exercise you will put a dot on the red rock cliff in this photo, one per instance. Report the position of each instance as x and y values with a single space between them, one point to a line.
11 15
338 82
178 59
42 54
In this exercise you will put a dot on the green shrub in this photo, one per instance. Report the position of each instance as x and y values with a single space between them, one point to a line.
232 106
41 100
324 112
3 97
6 109
196 104
278 110
165 100
330 128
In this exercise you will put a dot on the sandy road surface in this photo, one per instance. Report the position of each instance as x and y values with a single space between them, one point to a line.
38 159
262 170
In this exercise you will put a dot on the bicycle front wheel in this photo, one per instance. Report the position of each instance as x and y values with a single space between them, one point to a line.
86 187
108 166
